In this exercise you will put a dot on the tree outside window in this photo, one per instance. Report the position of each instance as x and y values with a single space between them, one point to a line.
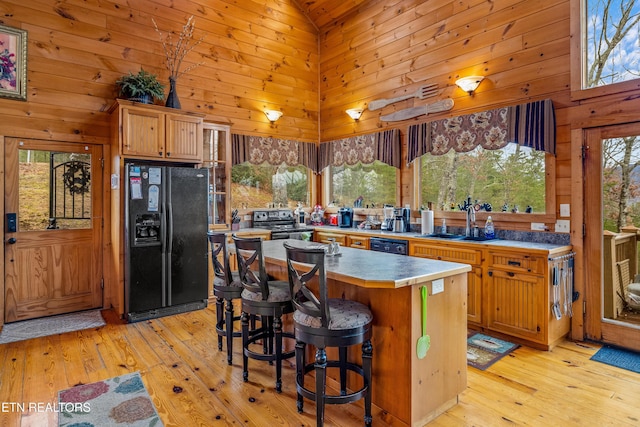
511 178
262 186
374 184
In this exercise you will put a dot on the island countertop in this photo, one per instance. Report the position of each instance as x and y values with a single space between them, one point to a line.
371 269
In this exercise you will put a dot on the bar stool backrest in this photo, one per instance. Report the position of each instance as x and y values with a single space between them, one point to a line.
251 267
221 269
303 266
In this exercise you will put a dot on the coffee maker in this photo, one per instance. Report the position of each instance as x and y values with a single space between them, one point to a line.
345 217
402 220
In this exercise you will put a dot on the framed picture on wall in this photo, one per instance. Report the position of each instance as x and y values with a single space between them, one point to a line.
13 63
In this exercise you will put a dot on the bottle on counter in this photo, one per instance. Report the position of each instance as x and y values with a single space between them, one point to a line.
444 226
489 230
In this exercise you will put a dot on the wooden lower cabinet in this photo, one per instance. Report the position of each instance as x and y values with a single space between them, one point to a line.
461 255
520 298
516 304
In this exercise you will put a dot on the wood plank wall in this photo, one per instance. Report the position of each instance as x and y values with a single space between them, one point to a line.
256 55
388 49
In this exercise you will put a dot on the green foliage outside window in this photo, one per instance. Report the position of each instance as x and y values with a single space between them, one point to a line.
259 186
375 183
514 176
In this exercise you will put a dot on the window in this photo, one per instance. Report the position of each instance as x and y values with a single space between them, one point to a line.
374 184
612 50
266 186
508 179
54 190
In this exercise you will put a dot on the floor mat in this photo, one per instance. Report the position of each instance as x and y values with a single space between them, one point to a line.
122 401
618 357
42 327
483 350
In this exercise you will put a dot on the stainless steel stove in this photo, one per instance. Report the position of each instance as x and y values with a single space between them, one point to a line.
281 222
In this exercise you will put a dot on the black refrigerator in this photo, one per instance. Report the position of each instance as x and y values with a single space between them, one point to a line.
166 223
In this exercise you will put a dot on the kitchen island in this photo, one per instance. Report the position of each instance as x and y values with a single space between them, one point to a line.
411 391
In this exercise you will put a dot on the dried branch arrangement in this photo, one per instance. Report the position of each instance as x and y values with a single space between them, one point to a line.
175 52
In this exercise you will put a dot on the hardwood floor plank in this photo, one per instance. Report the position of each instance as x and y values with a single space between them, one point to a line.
526 388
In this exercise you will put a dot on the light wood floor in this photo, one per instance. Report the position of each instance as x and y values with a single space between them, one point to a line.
529 387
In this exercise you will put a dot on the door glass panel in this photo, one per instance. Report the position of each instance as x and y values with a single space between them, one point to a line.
54 190
621 216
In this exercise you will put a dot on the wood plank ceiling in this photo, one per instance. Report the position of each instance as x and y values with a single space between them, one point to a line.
322 12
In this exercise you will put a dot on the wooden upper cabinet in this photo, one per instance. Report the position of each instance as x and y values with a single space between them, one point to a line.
153 132
184 137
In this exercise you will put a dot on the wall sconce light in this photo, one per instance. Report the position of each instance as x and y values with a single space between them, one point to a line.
469 84
354 113
273 115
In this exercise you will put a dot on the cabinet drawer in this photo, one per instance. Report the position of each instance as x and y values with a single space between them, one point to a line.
358 242
324 236
519 263
445 253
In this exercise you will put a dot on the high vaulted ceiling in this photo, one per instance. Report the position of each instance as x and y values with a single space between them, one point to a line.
322 12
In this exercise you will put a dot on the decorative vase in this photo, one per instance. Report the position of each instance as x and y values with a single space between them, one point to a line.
172 97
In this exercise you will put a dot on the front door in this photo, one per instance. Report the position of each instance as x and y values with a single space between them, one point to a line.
612 218
53 208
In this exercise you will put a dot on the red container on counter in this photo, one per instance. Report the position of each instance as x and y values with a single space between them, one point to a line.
333 219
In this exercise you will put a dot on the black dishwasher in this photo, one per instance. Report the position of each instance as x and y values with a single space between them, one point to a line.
392 246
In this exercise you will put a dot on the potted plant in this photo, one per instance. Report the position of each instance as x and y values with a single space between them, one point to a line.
141 87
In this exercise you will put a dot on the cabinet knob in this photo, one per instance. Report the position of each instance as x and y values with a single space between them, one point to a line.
159 153
168 154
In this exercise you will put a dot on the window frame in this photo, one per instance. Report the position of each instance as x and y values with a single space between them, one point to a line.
578 50
549 217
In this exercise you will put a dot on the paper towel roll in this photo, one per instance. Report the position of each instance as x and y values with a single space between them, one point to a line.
427 222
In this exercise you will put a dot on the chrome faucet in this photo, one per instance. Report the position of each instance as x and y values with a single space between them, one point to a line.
471 219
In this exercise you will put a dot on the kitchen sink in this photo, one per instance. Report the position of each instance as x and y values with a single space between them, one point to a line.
442 235
477 238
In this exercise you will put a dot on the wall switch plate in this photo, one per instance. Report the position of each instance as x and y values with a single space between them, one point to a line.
565 209
563 225
538 226
247 217
437 286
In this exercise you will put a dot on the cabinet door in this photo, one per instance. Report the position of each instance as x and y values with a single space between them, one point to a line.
142 133
517 304
474 295
216 143
184 137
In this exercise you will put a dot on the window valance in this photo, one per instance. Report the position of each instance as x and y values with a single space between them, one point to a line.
532 125
274 151
383 146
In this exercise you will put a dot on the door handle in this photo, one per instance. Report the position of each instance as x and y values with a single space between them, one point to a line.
12 241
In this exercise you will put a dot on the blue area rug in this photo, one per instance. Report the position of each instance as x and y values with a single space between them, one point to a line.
483 350
618 357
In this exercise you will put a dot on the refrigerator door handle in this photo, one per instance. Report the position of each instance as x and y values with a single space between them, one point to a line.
169 256
163 237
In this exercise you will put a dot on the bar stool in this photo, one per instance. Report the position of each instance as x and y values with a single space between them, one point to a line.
269 299
324 322
226 288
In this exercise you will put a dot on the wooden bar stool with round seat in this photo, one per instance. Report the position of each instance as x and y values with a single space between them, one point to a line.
269 299
226 288
324 322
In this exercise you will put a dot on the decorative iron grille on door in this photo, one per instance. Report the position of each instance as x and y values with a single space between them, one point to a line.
70 187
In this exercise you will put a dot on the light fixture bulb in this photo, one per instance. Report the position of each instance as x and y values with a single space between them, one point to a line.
469 84
354 113
273 115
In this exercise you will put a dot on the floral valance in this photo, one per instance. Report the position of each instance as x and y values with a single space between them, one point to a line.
274 151
383 146
532 125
